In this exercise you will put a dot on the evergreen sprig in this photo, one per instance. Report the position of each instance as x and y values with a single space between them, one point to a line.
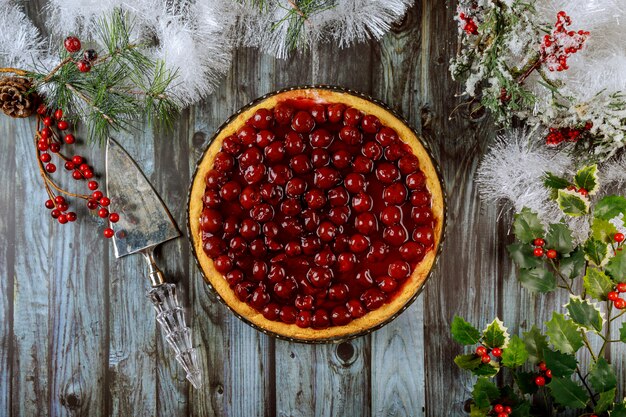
123 85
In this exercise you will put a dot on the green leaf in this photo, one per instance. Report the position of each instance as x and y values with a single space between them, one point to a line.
463 332
585 314
605 401
526 382
568 393
495 335
535 344
484 393
521 410
477 412
602 230
522 255
587 178
563 333
515 354
596 252
619 410
559 237
537 280
622 332
597 284
574 265
616 267
485 369
562 365
553 181
527 226
469 361
609 207
602 376
572 203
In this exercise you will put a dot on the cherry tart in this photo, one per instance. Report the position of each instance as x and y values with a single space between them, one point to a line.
316 214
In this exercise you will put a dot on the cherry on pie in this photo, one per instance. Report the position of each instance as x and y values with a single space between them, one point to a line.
316 214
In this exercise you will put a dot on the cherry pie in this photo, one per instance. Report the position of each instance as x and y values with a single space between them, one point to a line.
316 214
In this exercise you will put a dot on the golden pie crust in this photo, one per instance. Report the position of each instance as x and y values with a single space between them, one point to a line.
370 321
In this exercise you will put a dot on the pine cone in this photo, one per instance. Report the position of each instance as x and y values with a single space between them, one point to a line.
16 99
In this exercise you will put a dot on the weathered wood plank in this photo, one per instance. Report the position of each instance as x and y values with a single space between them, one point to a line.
7 260
34 246
78 302
398 348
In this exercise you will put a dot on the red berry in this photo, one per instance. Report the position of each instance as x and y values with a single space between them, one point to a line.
48 121
508 409
104 201
72 44
62 125
498 408
502 414
620 303
93 185
618 237
621 287
481 351
51 168
552 254
69 165
542 366
45 157
583 192
58 114
62 219
77 175
548 373
108 233
540 381
77 159
49 204
539 242
55 147
612 295
83 66
497 352
485 359
97 195
538 252
114 217
71 216
103 213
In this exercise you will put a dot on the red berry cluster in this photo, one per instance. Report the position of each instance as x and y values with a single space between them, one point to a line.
561 43
545 375
614 295
469 26
483 352
500 410
50 139
73 45
556 136
539 250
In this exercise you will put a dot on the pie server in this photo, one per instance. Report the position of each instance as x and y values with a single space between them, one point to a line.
144 223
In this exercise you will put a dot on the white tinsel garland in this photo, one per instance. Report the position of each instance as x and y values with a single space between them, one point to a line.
196 38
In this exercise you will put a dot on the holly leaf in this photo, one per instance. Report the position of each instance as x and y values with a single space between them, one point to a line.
585 314
602 376
609 207
562 365
495 335
477 412
605 400
526 382
602 230
596 252
537 280
535 344
597 284
563 333
619 410
559 237
572 203
587 178
622 332
522 410
574 265
515 354
522 255
484 393
616 267
485 369
527 226
463 332
554 181
469 361
568 393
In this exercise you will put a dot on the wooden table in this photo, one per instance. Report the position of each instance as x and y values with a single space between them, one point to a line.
78 337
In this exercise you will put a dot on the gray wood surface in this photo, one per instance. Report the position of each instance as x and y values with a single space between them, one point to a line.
78 338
